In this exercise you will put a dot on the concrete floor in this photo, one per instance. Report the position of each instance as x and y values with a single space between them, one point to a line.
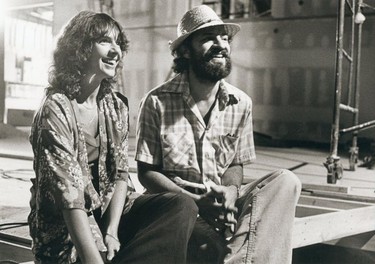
16 172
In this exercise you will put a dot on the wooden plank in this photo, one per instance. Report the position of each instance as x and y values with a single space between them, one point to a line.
328 226
309 210
338 195
15 252
325 187
330 202
364 241
15 239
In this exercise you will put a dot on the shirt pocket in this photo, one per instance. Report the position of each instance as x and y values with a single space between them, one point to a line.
225 149
178 151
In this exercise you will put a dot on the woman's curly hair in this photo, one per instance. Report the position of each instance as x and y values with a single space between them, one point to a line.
74 48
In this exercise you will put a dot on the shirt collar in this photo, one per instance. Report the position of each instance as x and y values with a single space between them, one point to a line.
225 98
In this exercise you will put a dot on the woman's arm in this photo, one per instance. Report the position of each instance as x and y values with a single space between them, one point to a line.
113 216
55 143
80 232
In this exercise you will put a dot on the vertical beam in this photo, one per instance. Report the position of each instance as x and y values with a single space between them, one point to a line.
2 68
333 165
338 78
354 147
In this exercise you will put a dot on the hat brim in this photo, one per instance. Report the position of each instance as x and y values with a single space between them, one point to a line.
230 28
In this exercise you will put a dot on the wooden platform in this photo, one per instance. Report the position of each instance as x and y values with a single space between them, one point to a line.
337 214
323 216
340 214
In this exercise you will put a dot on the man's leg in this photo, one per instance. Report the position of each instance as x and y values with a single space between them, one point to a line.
206 245
265 221
157 229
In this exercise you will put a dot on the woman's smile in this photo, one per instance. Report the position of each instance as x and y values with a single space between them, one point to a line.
110 61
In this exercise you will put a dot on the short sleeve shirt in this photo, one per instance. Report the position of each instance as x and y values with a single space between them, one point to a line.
63 178
171 132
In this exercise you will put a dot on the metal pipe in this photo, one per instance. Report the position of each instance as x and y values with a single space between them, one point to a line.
338 81
358 127
351 57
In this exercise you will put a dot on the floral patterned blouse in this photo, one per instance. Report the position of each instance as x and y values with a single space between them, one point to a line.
63 177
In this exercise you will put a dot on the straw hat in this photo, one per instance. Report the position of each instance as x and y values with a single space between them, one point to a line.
198 18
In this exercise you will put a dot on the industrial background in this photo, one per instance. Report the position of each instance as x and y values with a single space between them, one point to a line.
307 64
284 58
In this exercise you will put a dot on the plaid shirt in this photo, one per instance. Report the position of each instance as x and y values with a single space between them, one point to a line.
172 133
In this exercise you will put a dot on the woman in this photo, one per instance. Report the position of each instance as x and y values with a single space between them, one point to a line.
82 201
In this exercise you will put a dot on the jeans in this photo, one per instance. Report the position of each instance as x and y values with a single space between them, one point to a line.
157 229
264 225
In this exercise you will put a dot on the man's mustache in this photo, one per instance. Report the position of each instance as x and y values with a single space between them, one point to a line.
216 51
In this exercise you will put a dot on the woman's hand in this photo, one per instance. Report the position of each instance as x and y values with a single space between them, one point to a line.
113 245
112 216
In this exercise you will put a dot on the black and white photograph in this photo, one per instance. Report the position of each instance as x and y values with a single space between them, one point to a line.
187 131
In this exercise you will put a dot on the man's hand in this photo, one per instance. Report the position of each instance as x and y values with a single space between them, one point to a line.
217 207
229 197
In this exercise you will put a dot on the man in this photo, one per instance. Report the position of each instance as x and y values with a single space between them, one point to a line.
195 134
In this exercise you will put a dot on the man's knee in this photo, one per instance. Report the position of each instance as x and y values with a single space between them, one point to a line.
181 204
291 180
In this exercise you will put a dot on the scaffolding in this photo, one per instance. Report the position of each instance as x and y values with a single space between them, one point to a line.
352 54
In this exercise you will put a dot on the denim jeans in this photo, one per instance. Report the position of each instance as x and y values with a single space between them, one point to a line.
264 229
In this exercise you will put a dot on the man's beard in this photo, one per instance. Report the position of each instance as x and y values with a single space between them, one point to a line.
205 70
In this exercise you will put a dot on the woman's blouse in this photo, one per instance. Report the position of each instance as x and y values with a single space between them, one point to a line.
92 147
63 178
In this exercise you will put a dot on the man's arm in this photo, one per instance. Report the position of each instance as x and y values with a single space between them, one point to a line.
156 182
229 192
233 176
